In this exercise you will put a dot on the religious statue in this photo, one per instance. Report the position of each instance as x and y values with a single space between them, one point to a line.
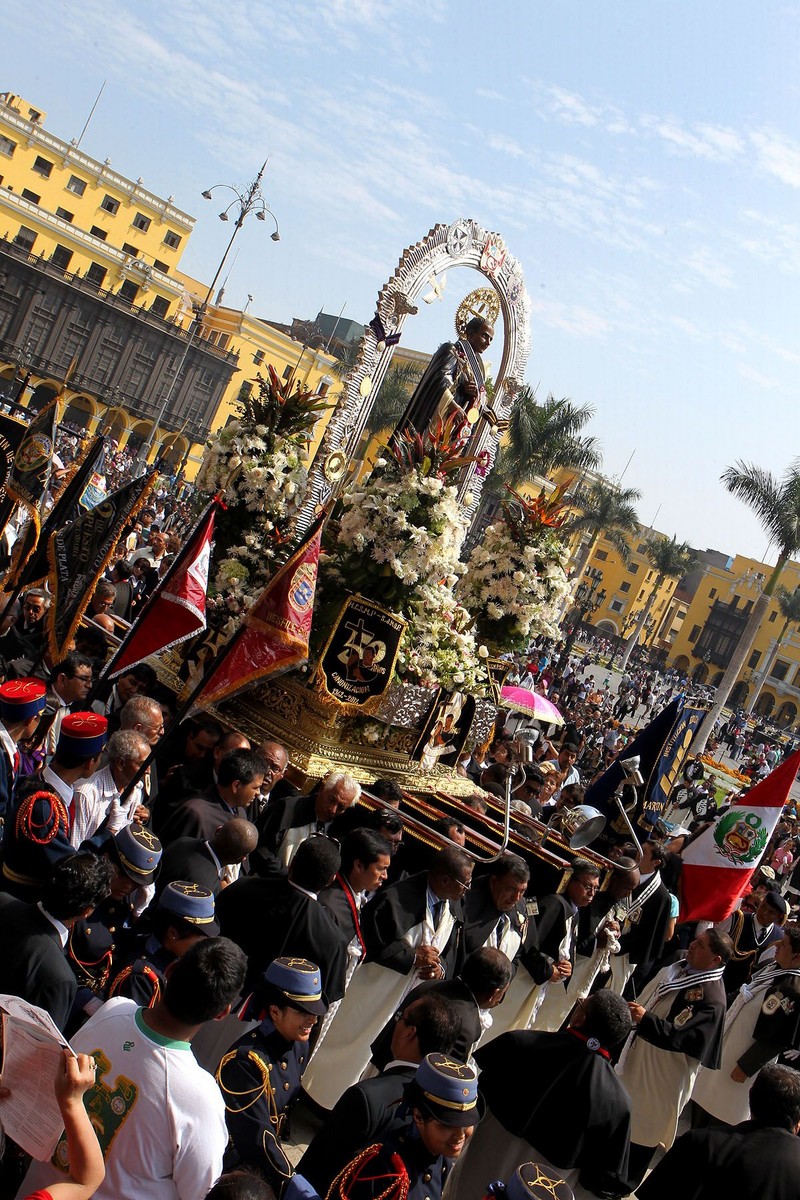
454 381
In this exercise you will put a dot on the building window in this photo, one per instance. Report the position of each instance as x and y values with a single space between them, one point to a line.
7 147
748 604
222 341
258 357
42 166
602 555
287 371
128 291
61 257
780 669
78 186
96 274
641 548
110 205
27 194
160 306
693 636
753 659
65 214
161 266
26 237
772 616
712 593
616 606
173 240
129 249
633 569
97 232
797 678
323 389
140 221
625 586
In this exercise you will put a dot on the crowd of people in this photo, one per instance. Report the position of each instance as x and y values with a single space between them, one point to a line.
225 950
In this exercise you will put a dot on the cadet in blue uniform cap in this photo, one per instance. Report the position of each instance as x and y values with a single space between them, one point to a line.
260 1077
443 1108
21 703
134 854
36 834
183 914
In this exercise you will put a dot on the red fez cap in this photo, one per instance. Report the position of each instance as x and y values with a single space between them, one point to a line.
83 733
21 699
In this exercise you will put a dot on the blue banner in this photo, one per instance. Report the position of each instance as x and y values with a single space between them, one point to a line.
667 772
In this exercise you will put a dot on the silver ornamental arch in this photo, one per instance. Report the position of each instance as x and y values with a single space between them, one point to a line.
464 243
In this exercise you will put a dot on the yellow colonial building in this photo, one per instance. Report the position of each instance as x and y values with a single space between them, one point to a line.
722 597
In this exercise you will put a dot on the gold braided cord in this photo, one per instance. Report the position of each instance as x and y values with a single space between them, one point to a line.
264 1089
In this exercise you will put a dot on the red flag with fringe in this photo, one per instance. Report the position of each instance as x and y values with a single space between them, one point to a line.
273 636
177 608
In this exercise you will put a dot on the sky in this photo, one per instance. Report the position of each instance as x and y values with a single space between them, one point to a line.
640 160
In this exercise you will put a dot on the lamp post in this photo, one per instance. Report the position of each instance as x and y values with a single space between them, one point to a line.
628 623
251 200
589 597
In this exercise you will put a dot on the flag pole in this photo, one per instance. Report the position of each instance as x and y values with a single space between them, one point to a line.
219 659
175 566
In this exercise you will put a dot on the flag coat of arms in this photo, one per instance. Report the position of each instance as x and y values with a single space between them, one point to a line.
274 634
718 866
177 610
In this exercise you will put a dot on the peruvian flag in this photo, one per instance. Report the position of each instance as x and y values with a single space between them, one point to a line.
177 608
718 866
273 636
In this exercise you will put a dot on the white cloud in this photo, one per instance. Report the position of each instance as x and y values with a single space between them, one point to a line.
778 155
767 382
703 263
715 143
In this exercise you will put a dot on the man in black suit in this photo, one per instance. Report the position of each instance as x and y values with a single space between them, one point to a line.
756 1160
288 821
370 1109
365 861
239 780
270 918
33 937
203 860
412 931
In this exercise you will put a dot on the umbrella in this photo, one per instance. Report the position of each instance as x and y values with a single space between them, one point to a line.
522 700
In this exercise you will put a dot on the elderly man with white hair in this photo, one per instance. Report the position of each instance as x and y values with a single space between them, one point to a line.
287 822
98 797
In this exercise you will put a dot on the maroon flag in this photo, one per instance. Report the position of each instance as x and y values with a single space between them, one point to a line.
176 610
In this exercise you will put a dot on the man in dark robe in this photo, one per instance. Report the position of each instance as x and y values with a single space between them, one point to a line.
758 1159
553 1098
273 917
241 775
449 384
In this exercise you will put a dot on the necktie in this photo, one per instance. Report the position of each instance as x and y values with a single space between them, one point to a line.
17 761
501 929
438 909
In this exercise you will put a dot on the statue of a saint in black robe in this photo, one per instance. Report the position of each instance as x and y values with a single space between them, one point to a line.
452 383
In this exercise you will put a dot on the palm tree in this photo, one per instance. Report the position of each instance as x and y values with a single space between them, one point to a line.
392 398
670 559
789 608
606 509
776 503
542 438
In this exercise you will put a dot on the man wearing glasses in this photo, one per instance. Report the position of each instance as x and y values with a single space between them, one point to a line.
412 931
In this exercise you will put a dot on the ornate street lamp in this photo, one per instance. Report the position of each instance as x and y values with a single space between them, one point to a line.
589 597
251 200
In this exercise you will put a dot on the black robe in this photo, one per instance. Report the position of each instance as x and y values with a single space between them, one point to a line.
748 1162
199 817
481 917
644 941
463 1002
443 372
33 964
269 918
564 1099
188 858
392 912
366 1113
273 823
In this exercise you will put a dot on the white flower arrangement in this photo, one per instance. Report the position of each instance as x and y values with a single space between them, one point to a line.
515 581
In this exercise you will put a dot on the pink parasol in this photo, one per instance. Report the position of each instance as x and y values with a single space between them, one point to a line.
522 700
